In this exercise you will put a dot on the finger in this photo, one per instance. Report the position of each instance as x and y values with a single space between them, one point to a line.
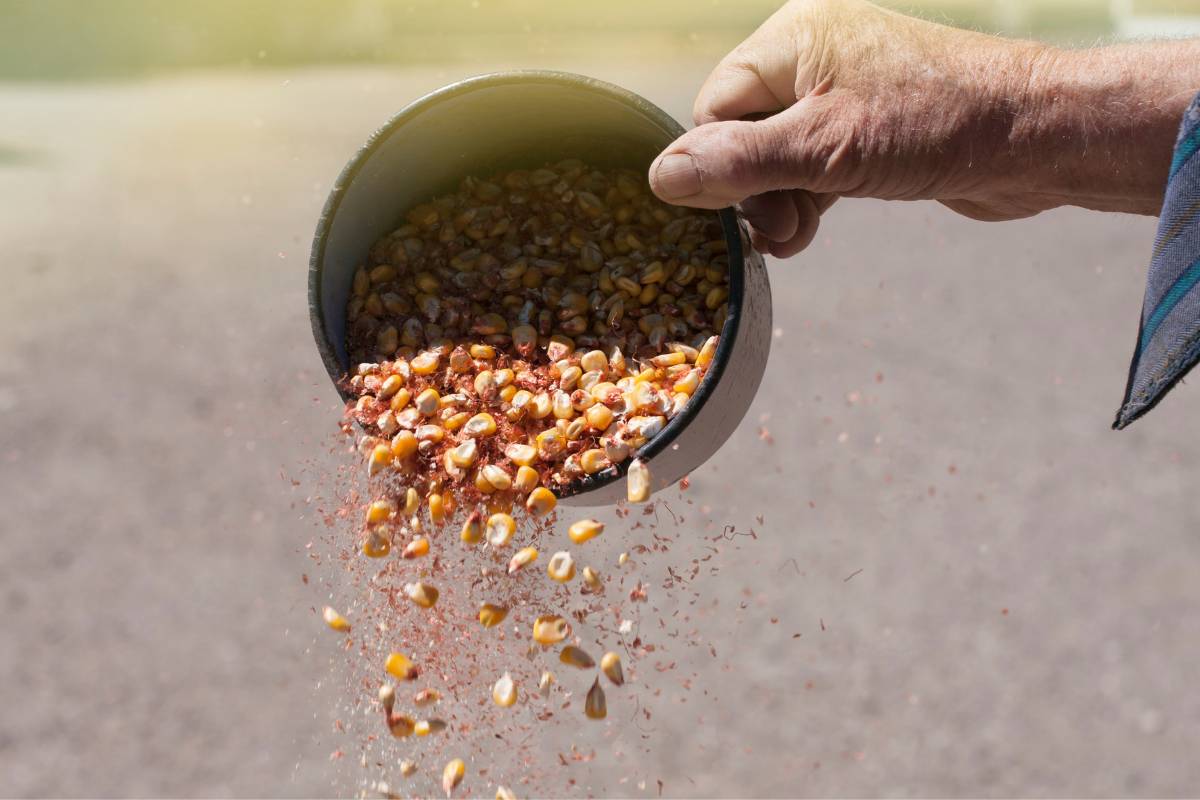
734 91
773 215
809 208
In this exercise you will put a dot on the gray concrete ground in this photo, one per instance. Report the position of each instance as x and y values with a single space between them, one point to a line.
1021 616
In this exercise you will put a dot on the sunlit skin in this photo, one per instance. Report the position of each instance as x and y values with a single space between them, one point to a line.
840 98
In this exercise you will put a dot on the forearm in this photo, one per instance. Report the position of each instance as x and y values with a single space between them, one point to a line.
1100 124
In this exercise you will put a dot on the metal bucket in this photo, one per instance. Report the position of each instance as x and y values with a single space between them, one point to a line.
527 119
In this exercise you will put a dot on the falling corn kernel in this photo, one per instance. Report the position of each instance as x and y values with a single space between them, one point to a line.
561 567
623 559
610 665
500 529
335 620
550 629
504 693
425 727
541 501
524 556
546 683
472 530
400 667
504 793
387 697
381 456
452 775
422 594
595 705
416 548
491 615
591 579
526 479
379 511
407 768
638 481
437 508
585 529
575 657
376 545
426 697
400 725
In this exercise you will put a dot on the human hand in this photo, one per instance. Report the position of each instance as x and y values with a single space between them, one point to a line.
849 99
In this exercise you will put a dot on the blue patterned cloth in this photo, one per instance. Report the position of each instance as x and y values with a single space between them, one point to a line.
1168 343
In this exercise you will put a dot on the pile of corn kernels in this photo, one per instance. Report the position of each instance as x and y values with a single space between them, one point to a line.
517 336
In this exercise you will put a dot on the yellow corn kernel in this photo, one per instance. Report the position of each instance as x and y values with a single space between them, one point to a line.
426 697
427 726
427 402
491 615
500 529
379 511
599 417
638 482
521 454
497 477
521 558
335 620
610 665
437 508
575 657
541 501
400 400
465 454
412 501
485 384
561 567
550 629
430 433
484 352
585 529
545 683
425 363
508 393
561 406
376 545
707 351
504 692
400 667
504 793
688 383
407 768
480 425
593 461
455 421
593 360
540 406
400 725
391 385
404 444
526 479
504 377
387 697
623 559
550 444
381 456
472 529
483 484
669 359
416 548
592 579
422 594
595 705
452 775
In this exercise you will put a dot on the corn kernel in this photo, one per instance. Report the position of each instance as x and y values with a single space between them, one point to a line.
595 705
400 725
523 557
387 697
668 359
561 567
400 667
638 482
427 402
412 501
623 559
504 793
593 461
500 529
541 501
335 620
425 363
540 406
381 456
491 615
464 455
426 697
379 511
550 629
416 548
376 545
497 477
592 579
484 352
521 454
422 594
407 768
400 400
437 508
404 444
594 360
393 384
472 529
707 351
610 665
504 692
480 425
546 683
452 775
525 480
585 529
575 657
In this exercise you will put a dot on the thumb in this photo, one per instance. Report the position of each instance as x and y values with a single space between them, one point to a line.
720 164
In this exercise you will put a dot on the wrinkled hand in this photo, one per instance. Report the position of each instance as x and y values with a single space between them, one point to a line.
834 98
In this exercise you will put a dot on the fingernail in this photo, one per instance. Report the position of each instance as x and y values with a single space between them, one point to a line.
676 176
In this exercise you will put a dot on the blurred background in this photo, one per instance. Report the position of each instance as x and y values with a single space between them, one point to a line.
963 582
